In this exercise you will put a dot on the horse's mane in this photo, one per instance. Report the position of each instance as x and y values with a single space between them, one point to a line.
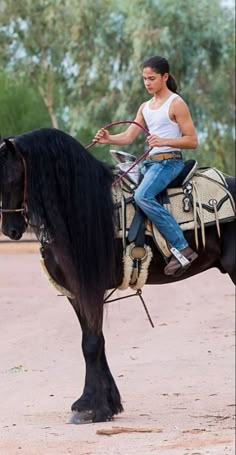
69 194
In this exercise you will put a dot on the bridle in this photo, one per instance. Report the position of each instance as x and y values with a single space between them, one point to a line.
23 208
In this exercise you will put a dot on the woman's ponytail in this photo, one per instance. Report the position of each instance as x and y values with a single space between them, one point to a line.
171 83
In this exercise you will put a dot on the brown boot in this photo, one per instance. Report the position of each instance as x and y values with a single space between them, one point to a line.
175 268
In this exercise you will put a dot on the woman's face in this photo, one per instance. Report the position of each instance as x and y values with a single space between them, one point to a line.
154 82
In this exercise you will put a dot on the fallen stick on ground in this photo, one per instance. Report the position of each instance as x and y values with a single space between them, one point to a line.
116 430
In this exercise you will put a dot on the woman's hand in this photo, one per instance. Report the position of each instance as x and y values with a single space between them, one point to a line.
102 136
155 141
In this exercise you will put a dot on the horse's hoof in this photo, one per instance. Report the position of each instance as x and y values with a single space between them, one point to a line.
79 418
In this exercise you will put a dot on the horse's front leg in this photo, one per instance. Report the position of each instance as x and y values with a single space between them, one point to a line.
100 399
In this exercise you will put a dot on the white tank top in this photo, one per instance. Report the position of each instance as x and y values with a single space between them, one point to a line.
158 122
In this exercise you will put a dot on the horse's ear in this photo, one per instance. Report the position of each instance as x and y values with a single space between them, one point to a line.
10 145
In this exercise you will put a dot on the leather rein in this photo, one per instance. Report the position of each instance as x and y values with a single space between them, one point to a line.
23 208
138 159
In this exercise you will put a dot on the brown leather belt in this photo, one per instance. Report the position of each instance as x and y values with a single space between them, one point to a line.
165 156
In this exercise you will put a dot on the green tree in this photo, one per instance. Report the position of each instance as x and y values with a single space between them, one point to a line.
21 107
84 58
66 48
198 40
35 45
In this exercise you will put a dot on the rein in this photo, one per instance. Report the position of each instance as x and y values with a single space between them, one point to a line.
23 208
138 159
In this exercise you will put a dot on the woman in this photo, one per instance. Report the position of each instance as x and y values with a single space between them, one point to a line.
171 128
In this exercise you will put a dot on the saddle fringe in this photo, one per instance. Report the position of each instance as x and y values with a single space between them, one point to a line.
197 200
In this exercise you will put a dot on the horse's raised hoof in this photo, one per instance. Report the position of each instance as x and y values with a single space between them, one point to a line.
80 417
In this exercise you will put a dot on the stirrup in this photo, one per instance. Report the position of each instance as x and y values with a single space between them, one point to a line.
180 257
179 270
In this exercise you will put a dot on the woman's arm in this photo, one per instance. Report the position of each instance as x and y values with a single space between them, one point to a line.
125 138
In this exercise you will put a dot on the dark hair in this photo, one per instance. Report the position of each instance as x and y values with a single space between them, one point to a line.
161 66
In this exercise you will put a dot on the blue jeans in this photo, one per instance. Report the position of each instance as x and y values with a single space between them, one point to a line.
157 176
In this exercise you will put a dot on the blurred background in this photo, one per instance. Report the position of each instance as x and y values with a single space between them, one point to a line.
76 65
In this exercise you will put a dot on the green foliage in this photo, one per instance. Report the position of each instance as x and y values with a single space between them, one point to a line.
21 107
85 60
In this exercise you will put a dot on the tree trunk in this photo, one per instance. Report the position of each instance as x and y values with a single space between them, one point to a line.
48 98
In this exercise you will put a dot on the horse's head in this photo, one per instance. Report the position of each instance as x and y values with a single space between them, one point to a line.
12 190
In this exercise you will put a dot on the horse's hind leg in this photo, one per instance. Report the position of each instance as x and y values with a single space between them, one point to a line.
228 256
100 400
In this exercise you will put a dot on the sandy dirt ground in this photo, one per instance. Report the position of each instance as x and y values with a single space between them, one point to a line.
177 377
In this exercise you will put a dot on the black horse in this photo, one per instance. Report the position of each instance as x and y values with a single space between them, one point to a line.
50 181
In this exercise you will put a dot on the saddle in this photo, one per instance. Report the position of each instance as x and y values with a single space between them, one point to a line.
197 198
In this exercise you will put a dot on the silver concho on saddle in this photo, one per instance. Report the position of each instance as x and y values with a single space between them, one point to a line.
196 198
